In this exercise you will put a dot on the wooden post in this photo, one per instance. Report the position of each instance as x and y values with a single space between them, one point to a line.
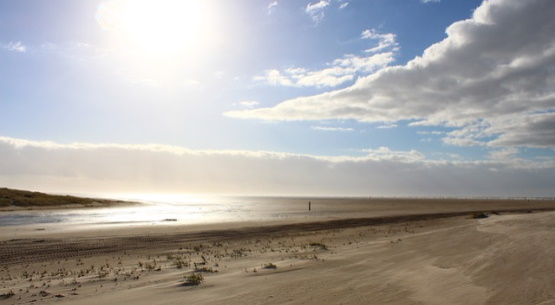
309 205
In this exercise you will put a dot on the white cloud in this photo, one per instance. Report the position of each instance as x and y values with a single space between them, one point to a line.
535 130
492 78
435 132
387 126
295 77
317 6
83 167
339 71
316 10
327 128
472 134
385 153
367 64
272 6
274 77
249 104
12 46
504 154
430 1
385 41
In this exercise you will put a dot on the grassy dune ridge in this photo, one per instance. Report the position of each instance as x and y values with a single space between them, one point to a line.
27 199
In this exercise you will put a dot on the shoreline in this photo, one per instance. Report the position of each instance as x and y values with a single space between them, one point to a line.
126 238
114 240
271 211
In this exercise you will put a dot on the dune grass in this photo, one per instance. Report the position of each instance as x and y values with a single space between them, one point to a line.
194 279
20 198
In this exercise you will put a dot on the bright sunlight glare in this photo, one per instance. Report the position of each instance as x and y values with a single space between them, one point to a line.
158 27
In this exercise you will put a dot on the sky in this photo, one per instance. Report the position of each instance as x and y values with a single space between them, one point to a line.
279 97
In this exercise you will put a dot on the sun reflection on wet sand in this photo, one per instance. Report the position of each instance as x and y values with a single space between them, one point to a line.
151 209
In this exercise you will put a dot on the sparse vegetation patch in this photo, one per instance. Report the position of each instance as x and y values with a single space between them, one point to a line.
319 245
194 279
480 215
206 270
7 295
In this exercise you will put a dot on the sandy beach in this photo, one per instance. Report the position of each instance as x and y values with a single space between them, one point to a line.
443 254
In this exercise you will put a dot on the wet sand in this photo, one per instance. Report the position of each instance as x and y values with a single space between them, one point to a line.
416 252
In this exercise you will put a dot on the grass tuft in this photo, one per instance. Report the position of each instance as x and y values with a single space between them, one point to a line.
479 215
194 279
7 295
319 245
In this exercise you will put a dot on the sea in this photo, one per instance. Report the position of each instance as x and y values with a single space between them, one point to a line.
167 209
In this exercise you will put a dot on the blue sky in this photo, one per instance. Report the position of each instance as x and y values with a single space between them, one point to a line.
338 97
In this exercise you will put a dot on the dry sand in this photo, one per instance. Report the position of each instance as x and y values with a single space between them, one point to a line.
441 258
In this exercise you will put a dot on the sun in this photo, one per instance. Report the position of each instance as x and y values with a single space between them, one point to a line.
157 27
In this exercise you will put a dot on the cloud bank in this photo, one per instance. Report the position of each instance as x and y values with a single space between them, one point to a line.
82 167
492 78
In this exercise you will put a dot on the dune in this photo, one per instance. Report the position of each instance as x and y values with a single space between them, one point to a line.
17 200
